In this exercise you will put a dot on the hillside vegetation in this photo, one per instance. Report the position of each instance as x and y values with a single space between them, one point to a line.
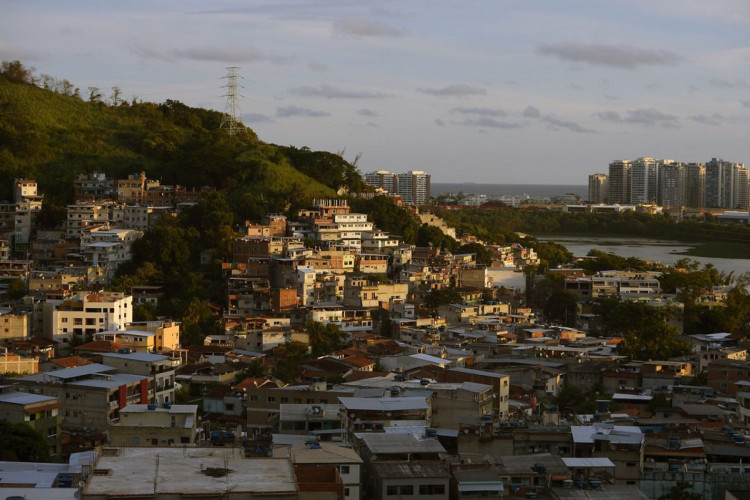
51 134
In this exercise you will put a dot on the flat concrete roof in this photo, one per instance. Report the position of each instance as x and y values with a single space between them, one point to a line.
133 471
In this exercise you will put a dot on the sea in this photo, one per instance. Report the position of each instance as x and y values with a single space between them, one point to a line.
440 188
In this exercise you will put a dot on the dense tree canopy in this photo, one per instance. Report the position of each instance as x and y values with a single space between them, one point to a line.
21 443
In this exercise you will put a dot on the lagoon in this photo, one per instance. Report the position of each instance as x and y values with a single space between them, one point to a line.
665 251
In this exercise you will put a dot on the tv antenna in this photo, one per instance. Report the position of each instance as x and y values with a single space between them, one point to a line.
232 120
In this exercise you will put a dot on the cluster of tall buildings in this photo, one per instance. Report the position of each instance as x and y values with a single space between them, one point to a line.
714 184
413 187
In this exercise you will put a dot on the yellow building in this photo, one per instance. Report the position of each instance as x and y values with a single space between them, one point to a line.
167 333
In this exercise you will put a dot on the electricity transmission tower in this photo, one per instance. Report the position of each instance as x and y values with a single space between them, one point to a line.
232 121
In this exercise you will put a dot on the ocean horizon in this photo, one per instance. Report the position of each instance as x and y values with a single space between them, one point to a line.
441 188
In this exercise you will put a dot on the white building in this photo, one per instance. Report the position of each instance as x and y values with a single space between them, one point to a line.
86 313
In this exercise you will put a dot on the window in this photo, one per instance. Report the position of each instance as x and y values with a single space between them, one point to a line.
271 399
346 492
253 397
344 469
432 489
391 490
284 400
406 490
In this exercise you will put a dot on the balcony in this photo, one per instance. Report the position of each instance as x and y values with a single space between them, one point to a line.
113 404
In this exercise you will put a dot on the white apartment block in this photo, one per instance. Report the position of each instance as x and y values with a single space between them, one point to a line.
86 313
85 216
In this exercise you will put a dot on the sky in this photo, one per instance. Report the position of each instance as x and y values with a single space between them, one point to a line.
483 91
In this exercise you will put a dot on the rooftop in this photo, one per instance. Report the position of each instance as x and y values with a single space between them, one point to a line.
197 471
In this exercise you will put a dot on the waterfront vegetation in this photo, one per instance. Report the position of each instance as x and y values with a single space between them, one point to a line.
501 225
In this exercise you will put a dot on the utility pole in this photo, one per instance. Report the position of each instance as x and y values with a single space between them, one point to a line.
232 121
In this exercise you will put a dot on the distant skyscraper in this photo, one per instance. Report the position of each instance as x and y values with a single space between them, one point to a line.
726 184
383 179
598 188
643 180
672 184
695 180
619 182
741 196
414 187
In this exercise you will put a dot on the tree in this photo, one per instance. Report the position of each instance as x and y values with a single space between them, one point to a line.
21 443
290 358
15 72
94 94
17 289
681 491
442 297
324 337
484 256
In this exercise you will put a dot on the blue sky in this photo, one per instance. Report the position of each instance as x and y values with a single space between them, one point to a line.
478 90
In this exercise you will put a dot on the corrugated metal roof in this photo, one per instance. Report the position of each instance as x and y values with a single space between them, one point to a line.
384 404
384 443
587 462
24 398
70 373
411 470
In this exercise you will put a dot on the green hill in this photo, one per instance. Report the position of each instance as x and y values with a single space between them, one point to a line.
53 135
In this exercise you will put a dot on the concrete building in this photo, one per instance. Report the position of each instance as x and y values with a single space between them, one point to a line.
598 188
108 248
360 292
383 179
159 369
499 382
170 473
695 179
166 333
374 414
459 405
85 314
414 187
623 445
420 481
643 181
264 402
41 413
156 425
619 182
347 462
14 325
309 419
91 395
673 185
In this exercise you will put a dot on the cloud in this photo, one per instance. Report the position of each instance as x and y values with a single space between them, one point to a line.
728 84
297 111
644 116
317 67
226 54
531 112
359 26
618 56
367 112
439 122
745 104
715 119
487 122
455 90
556 123
479 111
16 53
257 118
331 92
